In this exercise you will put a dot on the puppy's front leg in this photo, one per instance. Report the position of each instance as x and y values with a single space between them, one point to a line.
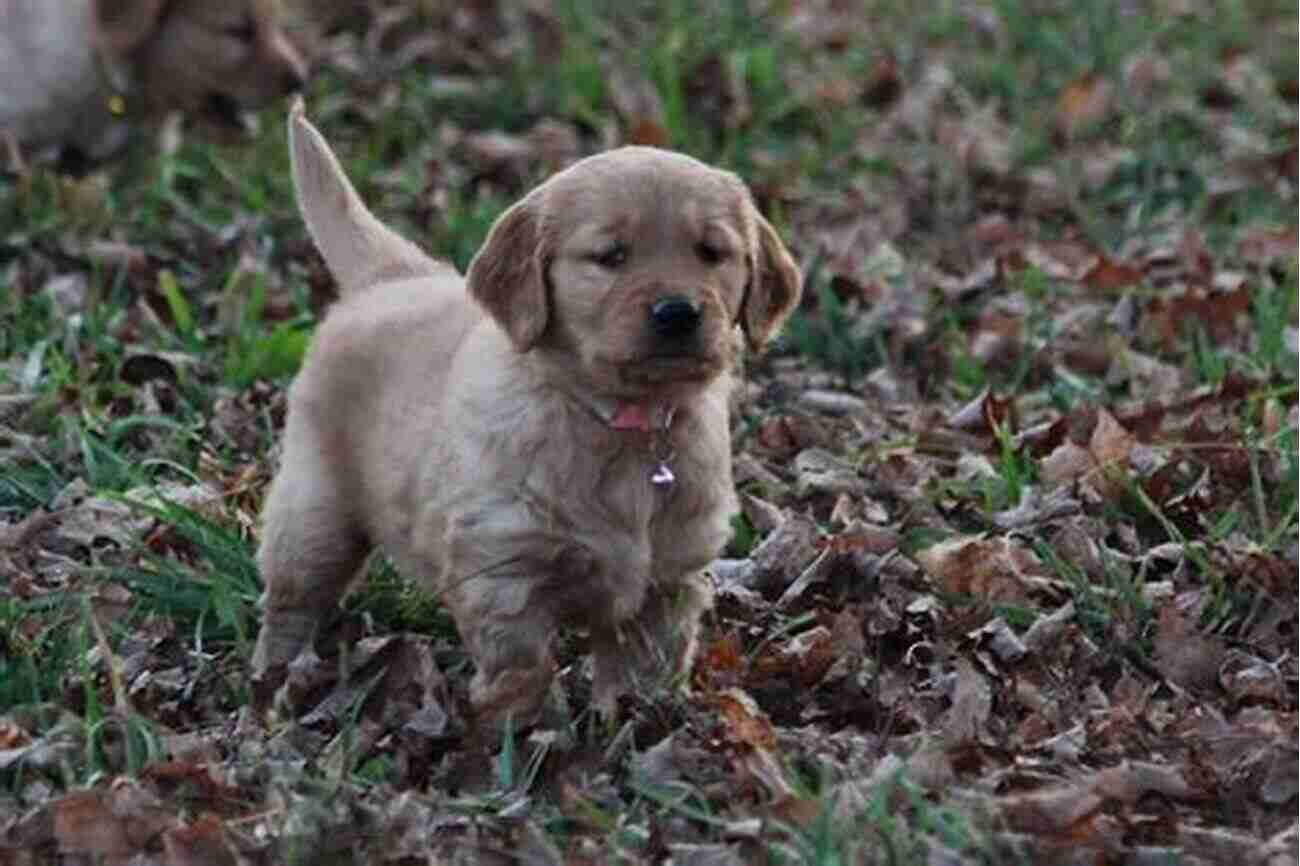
653 647
508 628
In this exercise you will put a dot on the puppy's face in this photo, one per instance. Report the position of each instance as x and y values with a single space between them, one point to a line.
211 60
633 267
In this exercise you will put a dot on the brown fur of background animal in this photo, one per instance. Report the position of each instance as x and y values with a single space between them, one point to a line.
74 74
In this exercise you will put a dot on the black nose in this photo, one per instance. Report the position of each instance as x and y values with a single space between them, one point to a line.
674 316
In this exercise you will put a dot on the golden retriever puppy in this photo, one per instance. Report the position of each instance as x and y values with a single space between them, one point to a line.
545 440
72 71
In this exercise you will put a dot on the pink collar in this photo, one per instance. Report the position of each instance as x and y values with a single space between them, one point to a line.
651 418
629 415
641 417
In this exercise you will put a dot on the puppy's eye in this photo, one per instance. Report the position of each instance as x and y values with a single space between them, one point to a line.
244 30
610 257
711 254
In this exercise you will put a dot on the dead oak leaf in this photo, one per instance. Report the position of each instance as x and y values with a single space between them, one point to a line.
201 843
1108 275
721 660
1064 810
1169 318
749 731
1111 446
744 723
1082 103
972 699
112 823
1183 654
987 569
1103 466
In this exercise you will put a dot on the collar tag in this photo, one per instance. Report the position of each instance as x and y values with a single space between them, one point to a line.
646 418
663 475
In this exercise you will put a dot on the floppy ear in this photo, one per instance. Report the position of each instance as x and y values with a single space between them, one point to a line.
508 274
123 24
359 250
774 287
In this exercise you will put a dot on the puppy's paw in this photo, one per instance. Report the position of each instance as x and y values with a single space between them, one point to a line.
513 696
284 634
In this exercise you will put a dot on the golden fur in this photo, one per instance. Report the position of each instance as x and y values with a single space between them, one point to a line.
467 426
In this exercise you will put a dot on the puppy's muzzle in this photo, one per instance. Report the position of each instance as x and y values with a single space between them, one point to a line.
674 316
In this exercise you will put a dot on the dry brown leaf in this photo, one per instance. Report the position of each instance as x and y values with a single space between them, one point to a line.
1056 811
783 555
1130 780
1143 74
1263 245
199 843
1183 654
1082 103
978 141
1110 447
721 658
884 84
972 699
859 537
1108 275
805 657
745 724
1220 314
750 732
111 823
984 569
817 470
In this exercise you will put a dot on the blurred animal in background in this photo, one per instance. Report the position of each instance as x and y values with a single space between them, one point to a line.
76 74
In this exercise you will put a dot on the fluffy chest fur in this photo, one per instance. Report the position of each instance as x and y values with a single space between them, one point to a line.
545 490
467 467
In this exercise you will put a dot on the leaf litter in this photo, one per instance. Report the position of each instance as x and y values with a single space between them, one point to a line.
1053 597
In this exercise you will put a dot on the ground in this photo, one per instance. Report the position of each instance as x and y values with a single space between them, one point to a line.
1015 579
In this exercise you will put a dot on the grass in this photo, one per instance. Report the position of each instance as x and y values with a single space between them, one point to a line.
220 299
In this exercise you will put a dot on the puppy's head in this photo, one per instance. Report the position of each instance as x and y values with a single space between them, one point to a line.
211 60
634 266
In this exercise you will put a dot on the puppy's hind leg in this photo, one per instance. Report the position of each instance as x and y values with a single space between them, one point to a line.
312 547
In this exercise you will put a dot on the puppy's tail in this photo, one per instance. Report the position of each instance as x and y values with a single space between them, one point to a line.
359 250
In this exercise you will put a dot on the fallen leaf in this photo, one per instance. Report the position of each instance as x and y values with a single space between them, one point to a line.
1083 102
972 700
980 568
199 843
1183 654
1108 275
